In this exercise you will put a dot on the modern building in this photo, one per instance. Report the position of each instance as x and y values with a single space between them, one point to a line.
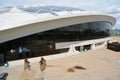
46 30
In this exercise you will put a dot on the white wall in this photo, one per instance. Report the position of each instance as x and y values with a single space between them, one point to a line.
72 45
71 51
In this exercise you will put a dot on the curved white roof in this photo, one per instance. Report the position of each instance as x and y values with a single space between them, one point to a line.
11 19
16 17
19 22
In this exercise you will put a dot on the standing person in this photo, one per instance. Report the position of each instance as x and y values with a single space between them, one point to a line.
26 64
20 51
42 64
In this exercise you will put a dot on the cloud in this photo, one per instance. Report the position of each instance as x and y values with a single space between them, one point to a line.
113 9
117 16
115 12
85 4
117 26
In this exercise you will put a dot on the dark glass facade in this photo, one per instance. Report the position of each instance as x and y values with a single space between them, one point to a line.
43 43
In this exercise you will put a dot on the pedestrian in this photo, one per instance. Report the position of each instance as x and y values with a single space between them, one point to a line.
42 64
26 64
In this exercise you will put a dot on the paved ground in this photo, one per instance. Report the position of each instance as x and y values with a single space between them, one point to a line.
101 64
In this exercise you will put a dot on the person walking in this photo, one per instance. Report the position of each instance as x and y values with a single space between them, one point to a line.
43 64
26 64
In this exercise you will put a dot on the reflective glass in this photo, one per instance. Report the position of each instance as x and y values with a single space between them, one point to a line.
43 43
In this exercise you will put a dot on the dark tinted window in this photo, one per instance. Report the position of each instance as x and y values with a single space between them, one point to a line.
43 43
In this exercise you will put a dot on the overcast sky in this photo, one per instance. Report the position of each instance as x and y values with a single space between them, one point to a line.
83 4
106 6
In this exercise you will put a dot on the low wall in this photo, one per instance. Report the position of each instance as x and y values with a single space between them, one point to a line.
72 51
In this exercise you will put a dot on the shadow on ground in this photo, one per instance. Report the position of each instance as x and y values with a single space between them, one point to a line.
75 67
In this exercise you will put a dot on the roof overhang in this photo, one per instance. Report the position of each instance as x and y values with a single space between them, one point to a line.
40 25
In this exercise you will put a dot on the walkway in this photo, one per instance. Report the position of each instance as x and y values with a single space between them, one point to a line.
101 64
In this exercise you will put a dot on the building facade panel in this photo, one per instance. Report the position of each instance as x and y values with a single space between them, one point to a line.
44 43
48 24
61 31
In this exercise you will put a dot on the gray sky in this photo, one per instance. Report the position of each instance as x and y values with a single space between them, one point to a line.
83 4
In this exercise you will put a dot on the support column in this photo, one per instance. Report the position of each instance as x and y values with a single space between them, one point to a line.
72 49
81 48
93 46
